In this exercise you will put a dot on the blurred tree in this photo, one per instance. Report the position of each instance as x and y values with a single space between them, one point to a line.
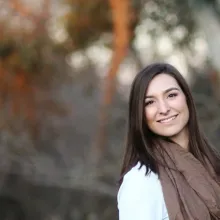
121 14
207 16
26 68
86 22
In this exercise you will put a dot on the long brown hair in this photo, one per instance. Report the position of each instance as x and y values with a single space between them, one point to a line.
141 140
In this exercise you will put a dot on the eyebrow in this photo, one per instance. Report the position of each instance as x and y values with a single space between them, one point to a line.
165 91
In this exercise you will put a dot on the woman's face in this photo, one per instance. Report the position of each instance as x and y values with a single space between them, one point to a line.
166 109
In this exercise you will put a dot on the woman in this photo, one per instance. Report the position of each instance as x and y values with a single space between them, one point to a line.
169 170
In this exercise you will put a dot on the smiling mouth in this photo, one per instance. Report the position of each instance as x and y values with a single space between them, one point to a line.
166 120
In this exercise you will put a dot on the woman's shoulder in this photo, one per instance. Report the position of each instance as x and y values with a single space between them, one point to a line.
140 196
139 174
137 181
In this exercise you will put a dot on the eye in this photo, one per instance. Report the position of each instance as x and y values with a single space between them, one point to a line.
150 102
172 95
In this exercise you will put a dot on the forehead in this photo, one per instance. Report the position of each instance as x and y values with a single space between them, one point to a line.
160 83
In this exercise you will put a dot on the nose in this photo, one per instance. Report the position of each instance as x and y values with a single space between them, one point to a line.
163 107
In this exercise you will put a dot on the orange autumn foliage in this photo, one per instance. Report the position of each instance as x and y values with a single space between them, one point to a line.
24 69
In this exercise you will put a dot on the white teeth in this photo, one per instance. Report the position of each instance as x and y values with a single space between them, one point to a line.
167 120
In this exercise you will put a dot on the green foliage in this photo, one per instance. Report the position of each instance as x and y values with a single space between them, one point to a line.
87 20
166 16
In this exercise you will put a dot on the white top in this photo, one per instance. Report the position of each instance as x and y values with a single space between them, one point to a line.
140 196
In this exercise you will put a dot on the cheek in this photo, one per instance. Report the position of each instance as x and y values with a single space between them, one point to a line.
186 111
183 105
150 114
179 104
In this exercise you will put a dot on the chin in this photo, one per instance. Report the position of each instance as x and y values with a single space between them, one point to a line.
168 134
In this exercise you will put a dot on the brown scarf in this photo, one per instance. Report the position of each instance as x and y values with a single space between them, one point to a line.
191 191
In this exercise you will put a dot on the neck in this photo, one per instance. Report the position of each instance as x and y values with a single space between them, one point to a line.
182 139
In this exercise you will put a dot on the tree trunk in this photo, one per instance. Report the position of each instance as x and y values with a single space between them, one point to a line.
121 20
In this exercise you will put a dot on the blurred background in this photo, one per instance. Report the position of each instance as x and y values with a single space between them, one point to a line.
66 67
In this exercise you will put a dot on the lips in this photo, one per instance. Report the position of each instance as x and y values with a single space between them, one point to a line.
168 119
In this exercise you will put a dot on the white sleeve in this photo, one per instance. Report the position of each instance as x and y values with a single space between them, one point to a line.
139 198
